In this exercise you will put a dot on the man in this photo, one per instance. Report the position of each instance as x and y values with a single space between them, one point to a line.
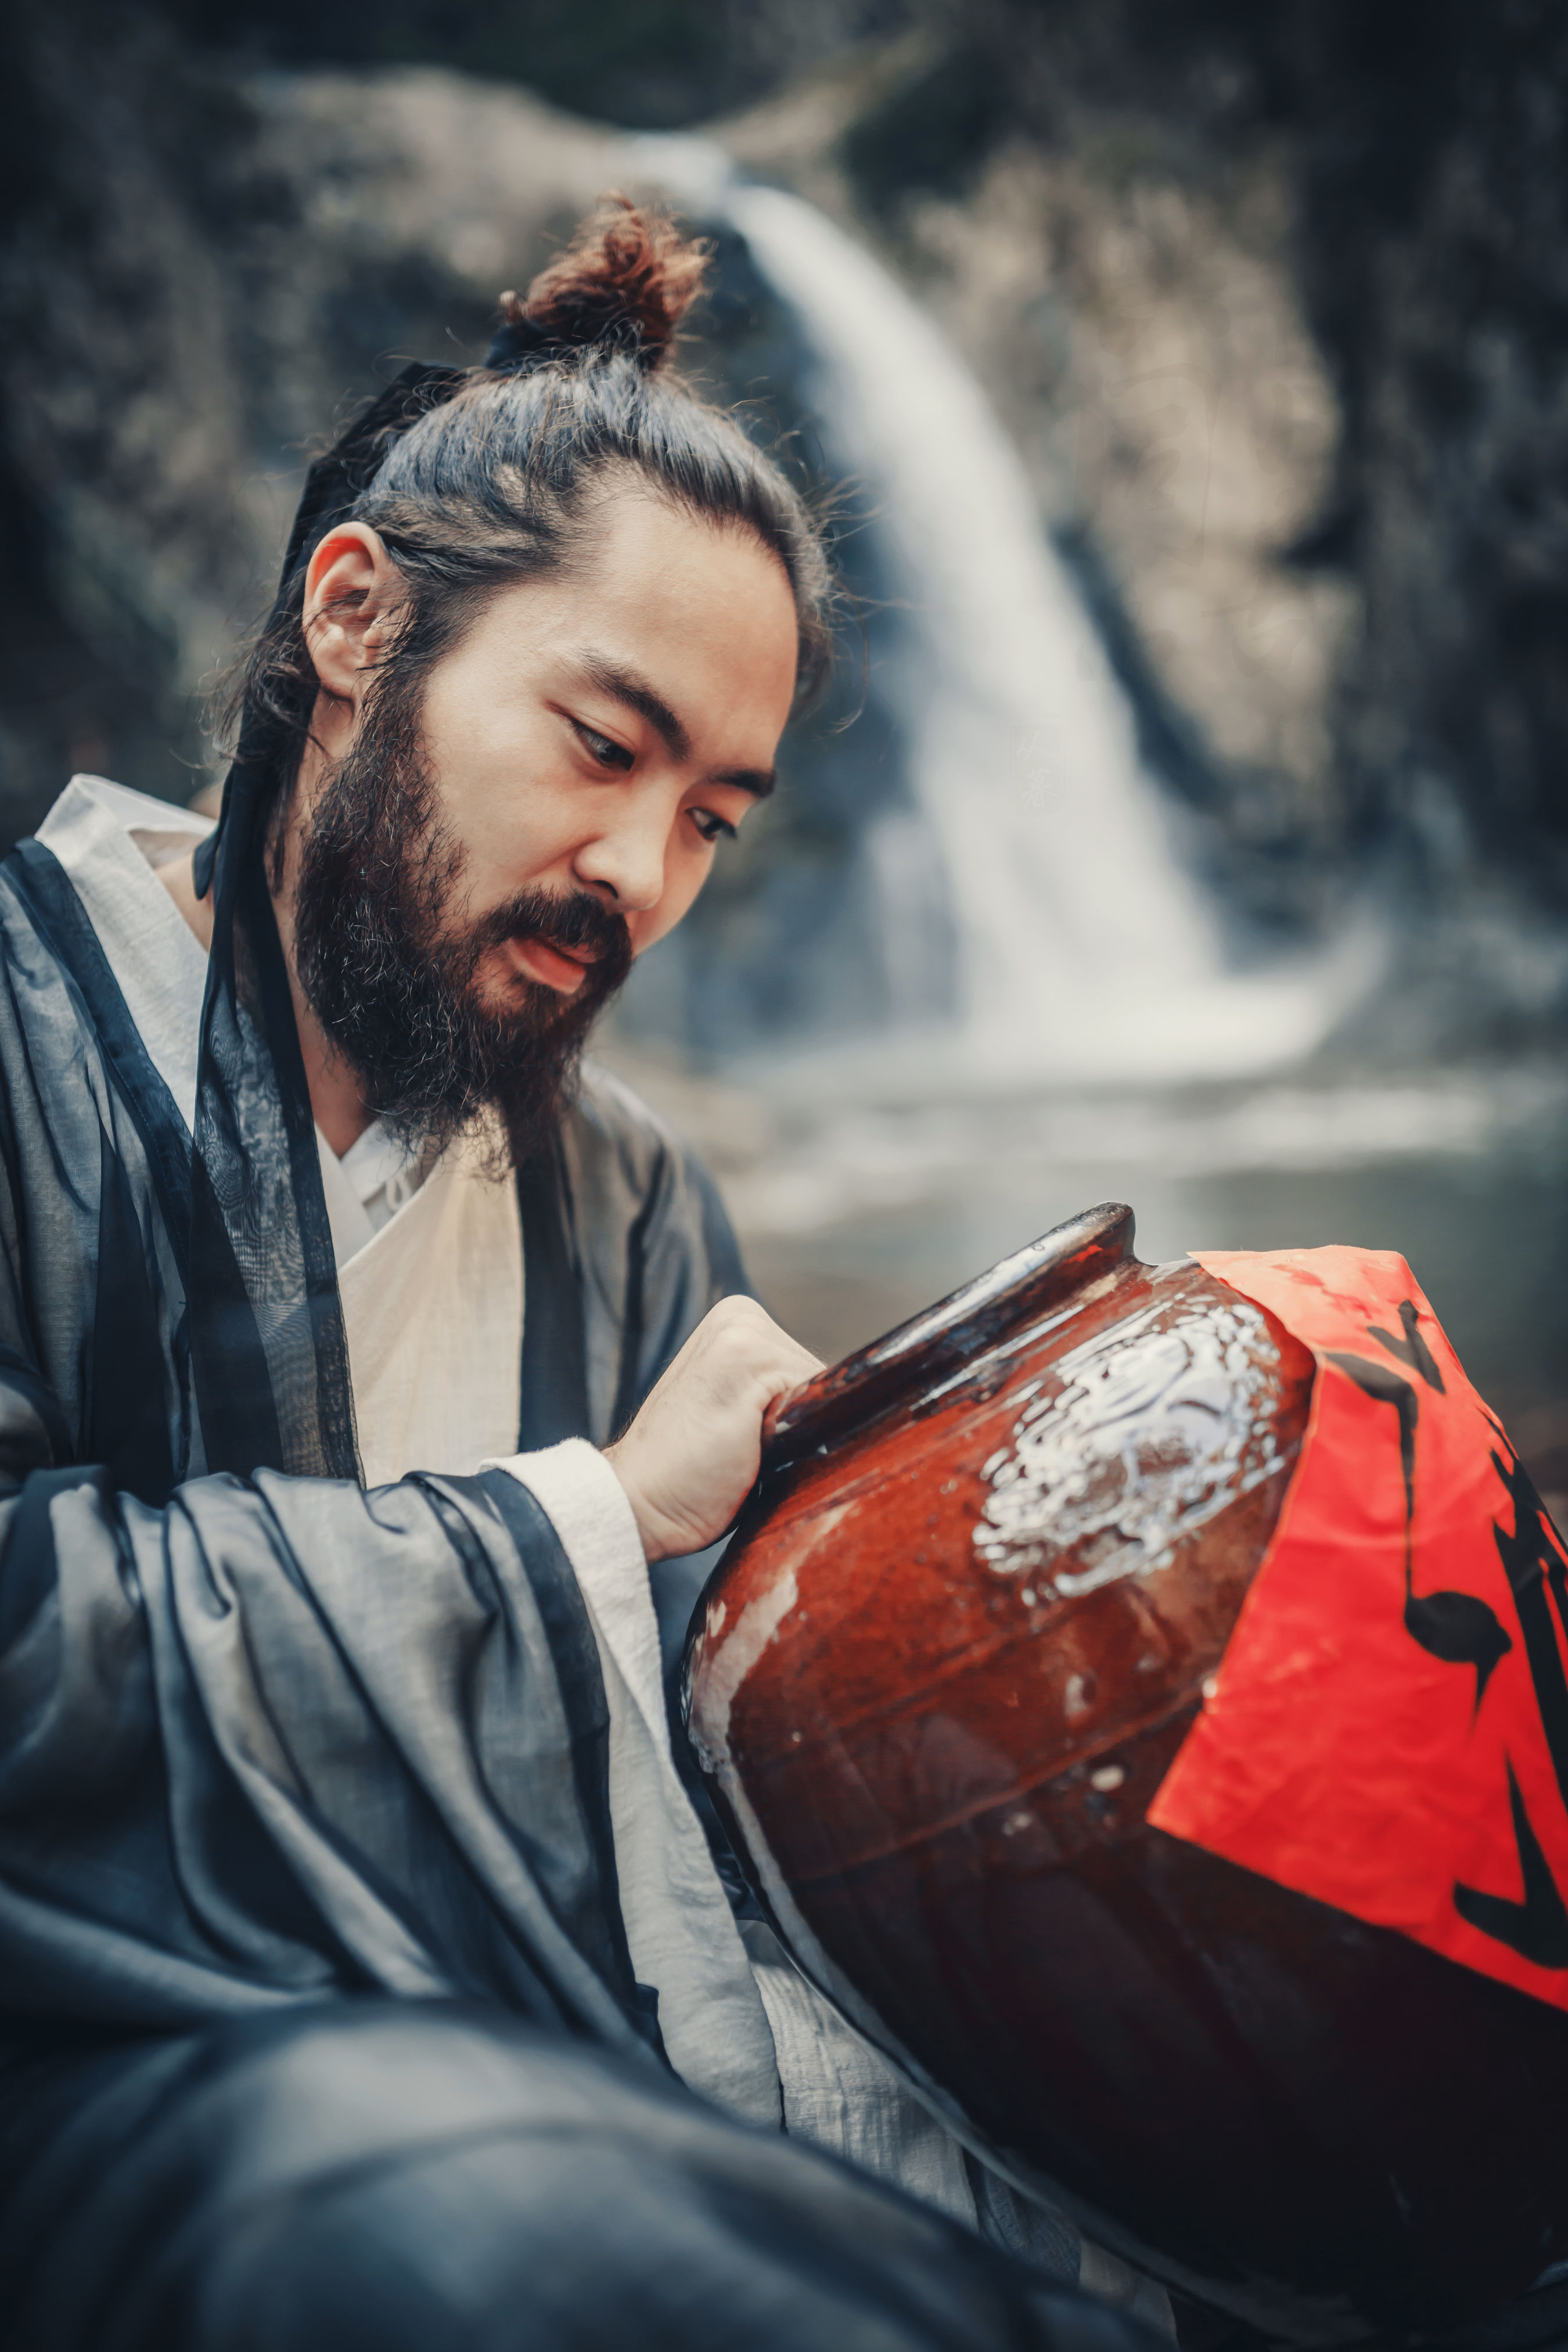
360 1949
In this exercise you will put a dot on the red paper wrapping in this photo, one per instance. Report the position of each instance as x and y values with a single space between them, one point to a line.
1388 1729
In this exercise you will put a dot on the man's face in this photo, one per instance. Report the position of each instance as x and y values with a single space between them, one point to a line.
489 846
599 732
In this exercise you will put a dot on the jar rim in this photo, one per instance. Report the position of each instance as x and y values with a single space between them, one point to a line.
940 1340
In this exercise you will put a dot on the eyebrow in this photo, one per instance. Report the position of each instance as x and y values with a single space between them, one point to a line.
634 693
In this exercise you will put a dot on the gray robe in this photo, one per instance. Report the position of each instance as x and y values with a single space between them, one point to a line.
265 1739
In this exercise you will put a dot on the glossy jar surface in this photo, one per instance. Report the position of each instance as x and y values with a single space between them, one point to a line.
937 1679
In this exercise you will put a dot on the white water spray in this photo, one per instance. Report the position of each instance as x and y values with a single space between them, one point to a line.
1085 949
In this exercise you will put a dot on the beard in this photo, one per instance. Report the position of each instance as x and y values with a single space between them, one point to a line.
394 980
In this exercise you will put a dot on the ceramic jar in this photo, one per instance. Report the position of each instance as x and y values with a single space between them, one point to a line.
964 1628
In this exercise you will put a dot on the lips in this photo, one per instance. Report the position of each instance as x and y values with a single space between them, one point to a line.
558 940
563 969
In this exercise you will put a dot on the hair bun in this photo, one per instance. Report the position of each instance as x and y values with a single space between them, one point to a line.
623 283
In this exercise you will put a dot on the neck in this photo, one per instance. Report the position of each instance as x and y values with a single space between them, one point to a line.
337 1102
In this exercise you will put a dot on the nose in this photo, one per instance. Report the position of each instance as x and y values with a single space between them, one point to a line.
624 864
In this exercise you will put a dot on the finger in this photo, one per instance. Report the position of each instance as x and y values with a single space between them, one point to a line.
771 1418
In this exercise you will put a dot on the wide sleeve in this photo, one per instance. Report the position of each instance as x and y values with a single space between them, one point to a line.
288 1738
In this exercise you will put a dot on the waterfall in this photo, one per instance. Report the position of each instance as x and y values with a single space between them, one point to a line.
1084 945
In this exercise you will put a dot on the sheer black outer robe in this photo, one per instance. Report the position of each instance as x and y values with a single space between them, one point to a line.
317 2021
273 1738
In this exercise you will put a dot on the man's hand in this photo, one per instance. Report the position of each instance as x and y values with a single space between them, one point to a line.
691 1453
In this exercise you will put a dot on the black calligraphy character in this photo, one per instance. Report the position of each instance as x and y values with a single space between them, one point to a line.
1389 1388
1413 1349
1534 1566
1532 1561
1454 1627
1536 1928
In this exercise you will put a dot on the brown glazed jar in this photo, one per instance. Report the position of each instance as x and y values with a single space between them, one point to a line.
959 1635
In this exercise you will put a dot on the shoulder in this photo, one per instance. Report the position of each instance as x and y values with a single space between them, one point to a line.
609 1118
40 998
628 1165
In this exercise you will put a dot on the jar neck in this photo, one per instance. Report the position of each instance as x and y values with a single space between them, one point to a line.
898 1369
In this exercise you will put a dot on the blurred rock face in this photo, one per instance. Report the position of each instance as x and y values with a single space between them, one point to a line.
125 449
210 270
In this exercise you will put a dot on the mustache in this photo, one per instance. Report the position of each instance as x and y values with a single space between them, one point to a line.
577 922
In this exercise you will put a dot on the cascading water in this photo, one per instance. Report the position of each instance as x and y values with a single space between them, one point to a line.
1084 946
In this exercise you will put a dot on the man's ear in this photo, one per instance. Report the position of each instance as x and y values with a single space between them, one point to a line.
352 589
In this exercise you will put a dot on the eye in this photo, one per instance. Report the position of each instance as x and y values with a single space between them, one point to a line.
711 826
602 747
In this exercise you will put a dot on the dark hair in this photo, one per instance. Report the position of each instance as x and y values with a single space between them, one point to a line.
487 482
